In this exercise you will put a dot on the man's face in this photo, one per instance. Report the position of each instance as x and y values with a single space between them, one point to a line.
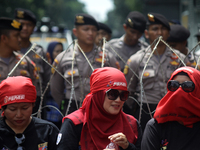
100 34
85 34
178 45
13 40
131 36
27 28
156 30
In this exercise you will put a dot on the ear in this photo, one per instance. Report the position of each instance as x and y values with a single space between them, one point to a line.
125 26
146 33
74 30
4 38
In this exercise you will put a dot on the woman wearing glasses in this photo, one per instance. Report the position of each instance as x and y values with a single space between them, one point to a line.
101 120
18 130
176 122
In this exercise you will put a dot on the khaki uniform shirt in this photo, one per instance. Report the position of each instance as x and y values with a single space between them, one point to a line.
25 68
81 73
193 60
124 50
42 68
155 77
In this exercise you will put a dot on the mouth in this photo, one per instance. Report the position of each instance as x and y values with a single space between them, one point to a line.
116 106
19 121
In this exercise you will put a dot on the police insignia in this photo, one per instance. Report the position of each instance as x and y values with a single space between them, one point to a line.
126 69
36 56
193 64
174 63
42 146
23 63
56 61
99 60
37 68
146 74
48 57
79 19
16 24
174 56
23 72
151 18
130 22
117 64
59 138
20 14
70 72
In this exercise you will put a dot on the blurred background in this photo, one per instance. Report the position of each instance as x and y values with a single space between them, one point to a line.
56 17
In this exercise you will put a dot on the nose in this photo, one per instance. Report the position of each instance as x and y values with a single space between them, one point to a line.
160 31
118 99
19 113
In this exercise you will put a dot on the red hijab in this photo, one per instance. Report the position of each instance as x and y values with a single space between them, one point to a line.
97 123
180 105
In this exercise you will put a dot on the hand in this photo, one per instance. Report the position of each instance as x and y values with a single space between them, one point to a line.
119 139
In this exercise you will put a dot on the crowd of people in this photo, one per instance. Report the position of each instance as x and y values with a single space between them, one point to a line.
124 93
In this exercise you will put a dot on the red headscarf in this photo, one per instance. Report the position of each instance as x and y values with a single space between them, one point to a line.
180 105
16 90
97 123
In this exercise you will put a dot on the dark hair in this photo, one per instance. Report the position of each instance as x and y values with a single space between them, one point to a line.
181 73
4 32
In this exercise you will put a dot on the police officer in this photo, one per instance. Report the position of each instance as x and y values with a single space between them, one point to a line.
104 31
178 40
74 65
130 42
9 44
28 21
157 72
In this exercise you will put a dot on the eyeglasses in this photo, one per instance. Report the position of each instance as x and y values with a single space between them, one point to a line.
187 86
20 138
113 94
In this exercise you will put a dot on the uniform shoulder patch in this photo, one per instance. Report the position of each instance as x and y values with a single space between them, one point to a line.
59 138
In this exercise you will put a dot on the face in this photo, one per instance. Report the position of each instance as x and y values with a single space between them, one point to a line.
131 36
178 45
27 28
113 106
156 30
100 34
13 40
181 78
85 34
58 49
18 115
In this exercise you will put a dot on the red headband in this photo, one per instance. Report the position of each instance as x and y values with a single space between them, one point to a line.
107 78
16 90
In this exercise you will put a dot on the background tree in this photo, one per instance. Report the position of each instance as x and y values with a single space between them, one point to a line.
117 16
59 11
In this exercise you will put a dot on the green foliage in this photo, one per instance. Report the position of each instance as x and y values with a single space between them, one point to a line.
60 11
117 16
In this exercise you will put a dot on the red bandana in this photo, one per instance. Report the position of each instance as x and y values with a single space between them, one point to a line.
180 105
97 123
16 90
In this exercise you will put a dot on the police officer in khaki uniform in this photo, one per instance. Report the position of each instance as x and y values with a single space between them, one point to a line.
104 31
9 44
178 40
157 72
28 21
130 42
78 71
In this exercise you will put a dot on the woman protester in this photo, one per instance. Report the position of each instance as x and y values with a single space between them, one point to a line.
52 114
18 129
101 120
176 122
